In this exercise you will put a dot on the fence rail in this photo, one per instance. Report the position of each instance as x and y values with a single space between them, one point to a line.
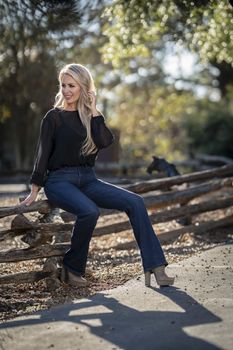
50 241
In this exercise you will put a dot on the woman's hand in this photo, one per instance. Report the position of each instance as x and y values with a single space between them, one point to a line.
31 197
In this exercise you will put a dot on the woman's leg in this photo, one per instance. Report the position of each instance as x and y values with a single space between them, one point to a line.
67 196
110 196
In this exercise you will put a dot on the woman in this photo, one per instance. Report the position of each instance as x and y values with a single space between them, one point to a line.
71 135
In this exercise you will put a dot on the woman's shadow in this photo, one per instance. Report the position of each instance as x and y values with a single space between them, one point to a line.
126 327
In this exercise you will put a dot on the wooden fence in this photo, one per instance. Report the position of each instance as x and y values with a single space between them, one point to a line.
49 241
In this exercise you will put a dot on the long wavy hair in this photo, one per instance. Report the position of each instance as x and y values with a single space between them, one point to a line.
84 78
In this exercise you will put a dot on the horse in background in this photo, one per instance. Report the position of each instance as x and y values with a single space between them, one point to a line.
168 169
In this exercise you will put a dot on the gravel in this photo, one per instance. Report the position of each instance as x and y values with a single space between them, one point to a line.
111 262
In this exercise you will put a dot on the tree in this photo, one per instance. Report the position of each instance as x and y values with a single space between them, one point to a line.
138 30
150 121
209 128
205 27
32 32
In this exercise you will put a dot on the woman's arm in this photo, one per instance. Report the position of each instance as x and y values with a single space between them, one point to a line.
35 188
43 151
44 147
101 134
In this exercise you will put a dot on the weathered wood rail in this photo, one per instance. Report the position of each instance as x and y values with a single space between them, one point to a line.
49 241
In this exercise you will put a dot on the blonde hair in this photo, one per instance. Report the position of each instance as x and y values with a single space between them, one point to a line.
83 77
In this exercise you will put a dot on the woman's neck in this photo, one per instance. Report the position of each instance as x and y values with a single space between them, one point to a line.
72 107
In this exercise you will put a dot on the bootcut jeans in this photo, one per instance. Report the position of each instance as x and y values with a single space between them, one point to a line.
78 190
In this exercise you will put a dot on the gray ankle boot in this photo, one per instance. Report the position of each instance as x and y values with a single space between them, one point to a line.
161 277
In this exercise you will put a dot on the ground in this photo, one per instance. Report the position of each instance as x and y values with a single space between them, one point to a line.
109 264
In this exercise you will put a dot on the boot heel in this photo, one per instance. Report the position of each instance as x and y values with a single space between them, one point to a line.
161 277
64 275
147 278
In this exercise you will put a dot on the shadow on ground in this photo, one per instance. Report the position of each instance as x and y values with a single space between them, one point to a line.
121 325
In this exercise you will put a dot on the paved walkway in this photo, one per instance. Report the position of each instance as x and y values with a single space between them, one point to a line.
195 313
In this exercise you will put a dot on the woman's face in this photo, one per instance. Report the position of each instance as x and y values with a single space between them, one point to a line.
71 90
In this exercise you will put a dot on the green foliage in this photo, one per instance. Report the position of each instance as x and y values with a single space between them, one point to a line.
172 124
150 122
134 26
28 75
209 128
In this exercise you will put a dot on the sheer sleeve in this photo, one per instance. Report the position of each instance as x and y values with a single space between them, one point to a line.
101 134
43 151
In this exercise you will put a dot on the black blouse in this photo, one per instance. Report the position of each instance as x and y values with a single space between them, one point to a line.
61 136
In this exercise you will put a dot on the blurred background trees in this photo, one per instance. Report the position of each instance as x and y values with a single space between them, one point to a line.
142 31
37 37
163 71
29 32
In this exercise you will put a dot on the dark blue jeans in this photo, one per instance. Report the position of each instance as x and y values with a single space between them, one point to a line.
78 191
